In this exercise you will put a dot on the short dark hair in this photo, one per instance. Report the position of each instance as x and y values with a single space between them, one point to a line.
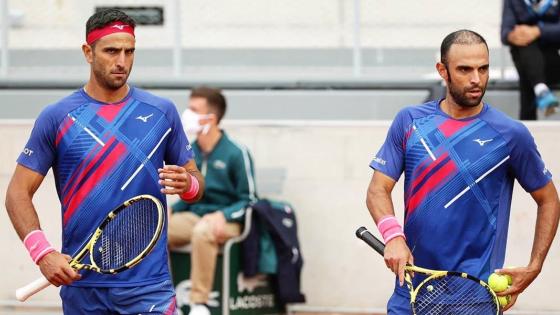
460 37
215 99
104 17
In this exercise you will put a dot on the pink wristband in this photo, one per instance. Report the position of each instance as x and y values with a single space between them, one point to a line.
390 228
193 190
37 245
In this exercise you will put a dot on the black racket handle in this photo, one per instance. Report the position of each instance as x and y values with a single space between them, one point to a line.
363 234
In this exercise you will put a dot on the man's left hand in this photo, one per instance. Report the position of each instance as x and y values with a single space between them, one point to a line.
174 179
521 278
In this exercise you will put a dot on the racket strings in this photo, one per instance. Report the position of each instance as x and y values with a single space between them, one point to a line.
454 295
127 235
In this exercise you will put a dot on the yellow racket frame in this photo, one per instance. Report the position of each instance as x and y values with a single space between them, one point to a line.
75 262
434 274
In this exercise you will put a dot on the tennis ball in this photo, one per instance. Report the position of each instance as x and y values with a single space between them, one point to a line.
498 283
509 279
508 276
504 300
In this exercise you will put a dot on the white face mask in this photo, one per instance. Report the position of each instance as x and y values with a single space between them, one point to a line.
191 124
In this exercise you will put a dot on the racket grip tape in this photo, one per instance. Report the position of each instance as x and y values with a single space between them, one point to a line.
30 289
363 234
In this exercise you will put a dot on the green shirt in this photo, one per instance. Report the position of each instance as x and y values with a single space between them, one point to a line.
229 177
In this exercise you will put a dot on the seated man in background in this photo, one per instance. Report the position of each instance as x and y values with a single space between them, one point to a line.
532 30
230 187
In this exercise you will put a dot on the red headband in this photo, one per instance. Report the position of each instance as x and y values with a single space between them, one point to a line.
115 27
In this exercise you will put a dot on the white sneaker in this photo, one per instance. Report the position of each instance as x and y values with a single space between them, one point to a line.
199 309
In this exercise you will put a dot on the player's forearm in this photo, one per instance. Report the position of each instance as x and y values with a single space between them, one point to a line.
379 203
545 230
21 211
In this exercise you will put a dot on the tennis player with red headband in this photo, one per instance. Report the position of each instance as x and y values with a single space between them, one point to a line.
106 143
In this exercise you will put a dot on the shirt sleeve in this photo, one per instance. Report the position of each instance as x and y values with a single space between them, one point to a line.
550 32
526 162
179 150
508 21
39 152
244 181
179 206
390 158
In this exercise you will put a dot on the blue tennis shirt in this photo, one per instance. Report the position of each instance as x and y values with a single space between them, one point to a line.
102 155
459 176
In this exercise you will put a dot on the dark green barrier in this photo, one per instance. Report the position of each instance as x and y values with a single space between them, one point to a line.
251 296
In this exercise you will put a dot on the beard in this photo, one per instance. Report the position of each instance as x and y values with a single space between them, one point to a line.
460 95
104 78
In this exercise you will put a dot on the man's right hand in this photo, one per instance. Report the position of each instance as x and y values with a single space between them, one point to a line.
57 270
397 256
523 35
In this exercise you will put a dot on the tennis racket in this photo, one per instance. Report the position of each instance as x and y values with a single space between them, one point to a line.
124 238
442 292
